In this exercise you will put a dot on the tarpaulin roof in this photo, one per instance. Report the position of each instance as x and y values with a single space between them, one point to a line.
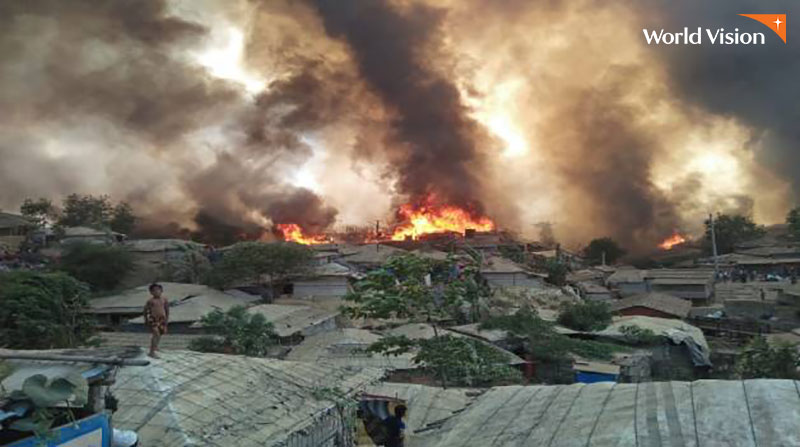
708 413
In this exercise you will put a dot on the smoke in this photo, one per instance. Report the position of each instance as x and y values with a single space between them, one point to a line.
755 84
223 118
432 140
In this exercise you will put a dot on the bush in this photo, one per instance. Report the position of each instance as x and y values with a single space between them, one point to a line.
585 316
101 266
250 261
236 332
42 311
760 360
556 272
458 361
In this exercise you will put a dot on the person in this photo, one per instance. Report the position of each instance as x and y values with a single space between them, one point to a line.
156 316
395 426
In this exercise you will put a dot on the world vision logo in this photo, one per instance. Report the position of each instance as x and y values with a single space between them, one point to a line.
718 36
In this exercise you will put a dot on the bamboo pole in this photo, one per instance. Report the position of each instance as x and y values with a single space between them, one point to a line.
80 359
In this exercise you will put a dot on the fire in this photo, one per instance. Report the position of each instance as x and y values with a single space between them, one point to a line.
428 218
675 239
293 233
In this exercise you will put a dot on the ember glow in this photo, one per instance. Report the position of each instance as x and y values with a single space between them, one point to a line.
293 233
428 219
675 239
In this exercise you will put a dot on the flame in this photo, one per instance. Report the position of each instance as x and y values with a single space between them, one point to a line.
428 218
293 233
675 239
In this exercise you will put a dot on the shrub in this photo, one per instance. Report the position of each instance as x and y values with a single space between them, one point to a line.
43 310
100 266
236 332
760 360
585 316
640 337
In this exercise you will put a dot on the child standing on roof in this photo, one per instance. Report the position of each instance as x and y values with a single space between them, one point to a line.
156 316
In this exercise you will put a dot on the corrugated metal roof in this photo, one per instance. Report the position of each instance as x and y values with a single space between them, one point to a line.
189 398
658 301
8 220
290 319
188 302
344 347
709 413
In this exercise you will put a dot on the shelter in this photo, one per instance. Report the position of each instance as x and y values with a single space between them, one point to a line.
347 347
502 272
14 230
188 304
370 256
690 284
294 322
594 292
76 235
706 413
653 304
329 280
190 398
153 259
426 406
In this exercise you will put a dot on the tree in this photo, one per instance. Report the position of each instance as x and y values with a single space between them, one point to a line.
793 220
585 316
40 211
546 346
43 311
236 332
122 219
251 261
760 360
459 361
597 247
556 272
96 212
729 231
101 266
415 288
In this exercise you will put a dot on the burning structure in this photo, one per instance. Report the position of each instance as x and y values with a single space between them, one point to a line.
292 117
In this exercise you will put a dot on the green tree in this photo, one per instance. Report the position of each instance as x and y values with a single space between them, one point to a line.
43 311
793 220
556 272
544 344
760 360
414 288
252 261
40 211
597 247
101 266
86 210
585 315
122 219
729 231
236 332
454 361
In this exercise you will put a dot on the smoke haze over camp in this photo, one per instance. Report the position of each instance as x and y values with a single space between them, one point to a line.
231 116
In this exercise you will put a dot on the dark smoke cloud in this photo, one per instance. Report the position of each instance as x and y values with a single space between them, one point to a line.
433 142
606 160
754 83
122 67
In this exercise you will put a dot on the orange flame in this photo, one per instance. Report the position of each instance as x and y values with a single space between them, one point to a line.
293 233
675 239
428 219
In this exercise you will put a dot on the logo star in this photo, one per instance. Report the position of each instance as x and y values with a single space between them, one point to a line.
777 23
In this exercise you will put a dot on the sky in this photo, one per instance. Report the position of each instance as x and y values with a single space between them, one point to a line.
226 117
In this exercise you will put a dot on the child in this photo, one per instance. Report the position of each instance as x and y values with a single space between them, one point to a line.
156 315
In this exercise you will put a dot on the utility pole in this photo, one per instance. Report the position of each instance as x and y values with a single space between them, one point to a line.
714 246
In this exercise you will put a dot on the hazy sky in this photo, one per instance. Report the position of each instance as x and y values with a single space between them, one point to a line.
233 115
